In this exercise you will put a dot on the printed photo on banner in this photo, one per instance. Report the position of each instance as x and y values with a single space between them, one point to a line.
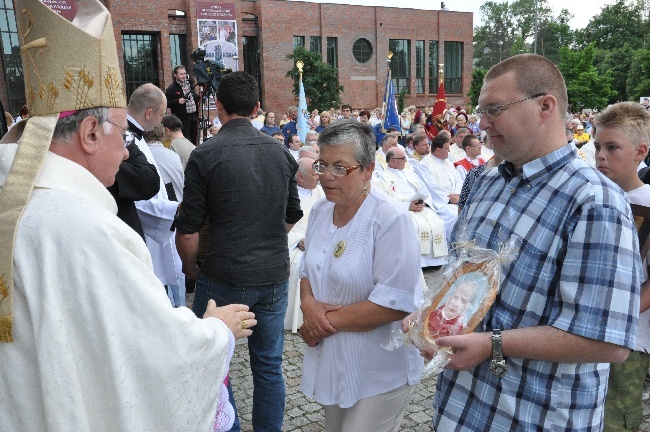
217 27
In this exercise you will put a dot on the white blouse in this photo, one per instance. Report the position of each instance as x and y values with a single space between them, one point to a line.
380 263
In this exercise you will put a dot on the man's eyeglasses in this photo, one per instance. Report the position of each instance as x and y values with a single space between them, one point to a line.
398 158
311 141
127 137
495 110
337 170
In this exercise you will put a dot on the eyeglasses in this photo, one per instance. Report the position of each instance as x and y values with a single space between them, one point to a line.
337 170
398 158
127 136
312 141
495 110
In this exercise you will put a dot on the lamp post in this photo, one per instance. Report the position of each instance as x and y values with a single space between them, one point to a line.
500 44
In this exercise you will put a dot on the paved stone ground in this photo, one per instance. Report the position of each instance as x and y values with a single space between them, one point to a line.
303 415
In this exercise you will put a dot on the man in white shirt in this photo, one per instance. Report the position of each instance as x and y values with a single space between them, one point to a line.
421 147
456 152
410 190
472 148
387 142
441 180
294 145
309 192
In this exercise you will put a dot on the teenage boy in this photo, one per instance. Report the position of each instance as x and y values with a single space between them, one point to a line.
621 141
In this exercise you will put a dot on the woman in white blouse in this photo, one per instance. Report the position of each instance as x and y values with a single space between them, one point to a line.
360 276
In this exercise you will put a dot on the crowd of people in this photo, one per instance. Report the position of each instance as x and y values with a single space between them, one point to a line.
109 212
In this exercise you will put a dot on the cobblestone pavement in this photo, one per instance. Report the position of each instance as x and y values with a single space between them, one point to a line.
303 415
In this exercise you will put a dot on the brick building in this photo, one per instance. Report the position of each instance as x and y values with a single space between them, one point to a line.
152 37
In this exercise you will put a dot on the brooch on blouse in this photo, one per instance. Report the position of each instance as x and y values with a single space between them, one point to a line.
339 249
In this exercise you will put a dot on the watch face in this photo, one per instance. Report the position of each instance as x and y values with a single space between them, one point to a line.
498 369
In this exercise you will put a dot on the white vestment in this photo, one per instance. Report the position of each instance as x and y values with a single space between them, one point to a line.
97 346
293 317
456 153
431 229
157 216
170 170
438 195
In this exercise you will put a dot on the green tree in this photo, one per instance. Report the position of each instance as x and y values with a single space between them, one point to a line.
585 86
506 28
618 62
320 80
638 81
478 74
401 101
616 25
553 34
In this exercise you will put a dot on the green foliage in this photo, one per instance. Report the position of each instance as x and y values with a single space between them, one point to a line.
477 82
585 86
616 25
401 101
618 62
320 80
638 81
508 28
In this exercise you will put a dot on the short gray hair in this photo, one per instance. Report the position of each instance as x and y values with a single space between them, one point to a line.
354 133
306 151
66 126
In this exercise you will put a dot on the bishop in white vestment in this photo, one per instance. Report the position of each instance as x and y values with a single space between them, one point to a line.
88 339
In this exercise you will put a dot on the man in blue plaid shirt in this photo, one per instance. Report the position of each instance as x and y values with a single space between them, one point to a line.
568 305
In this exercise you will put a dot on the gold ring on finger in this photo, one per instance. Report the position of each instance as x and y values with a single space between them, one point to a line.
244 324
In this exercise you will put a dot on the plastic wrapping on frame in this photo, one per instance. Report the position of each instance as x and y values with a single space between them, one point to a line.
458 298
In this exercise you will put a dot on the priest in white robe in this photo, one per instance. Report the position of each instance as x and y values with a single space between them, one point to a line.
441 180
309 192
415 198
88 339
387 142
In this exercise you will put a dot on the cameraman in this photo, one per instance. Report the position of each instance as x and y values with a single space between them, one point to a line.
181 100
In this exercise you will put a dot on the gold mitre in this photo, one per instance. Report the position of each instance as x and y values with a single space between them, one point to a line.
67 66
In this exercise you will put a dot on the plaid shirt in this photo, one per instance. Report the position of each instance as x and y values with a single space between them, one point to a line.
190 105
577 269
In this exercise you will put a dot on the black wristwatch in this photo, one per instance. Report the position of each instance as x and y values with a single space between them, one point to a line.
498 364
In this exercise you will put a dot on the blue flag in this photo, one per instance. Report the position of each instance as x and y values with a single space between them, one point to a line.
390 117
303 114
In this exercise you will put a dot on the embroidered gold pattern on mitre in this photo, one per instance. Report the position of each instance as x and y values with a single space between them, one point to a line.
80 84
113 83
49 94
4 289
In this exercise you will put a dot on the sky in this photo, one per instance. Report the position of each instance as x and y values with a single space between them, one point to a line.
582 10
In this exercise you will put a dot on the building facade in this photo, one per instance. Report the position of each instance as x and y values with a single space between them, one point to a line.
153 37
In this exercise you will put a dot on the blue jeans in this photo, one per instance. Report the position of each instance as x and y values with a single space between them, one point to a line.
269 303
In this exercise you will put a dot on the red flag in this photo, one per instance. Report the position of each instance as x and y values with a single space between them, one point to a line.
440 107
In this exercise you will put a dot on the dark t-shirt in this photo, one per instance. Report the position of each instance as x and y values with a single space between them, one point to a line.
244 183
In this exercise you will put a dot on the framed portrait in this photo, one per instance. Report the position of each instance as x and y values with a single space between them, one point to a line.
462 302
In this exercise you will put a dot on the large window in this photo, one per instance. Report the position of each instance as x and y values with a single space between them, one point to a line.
419 67
333 52
400 64
11 58
453 67
433 67
140 60
178 43
315 45
298 41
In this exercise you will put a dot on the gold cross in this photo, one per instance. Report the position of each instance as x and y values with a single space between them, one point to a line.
424 236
